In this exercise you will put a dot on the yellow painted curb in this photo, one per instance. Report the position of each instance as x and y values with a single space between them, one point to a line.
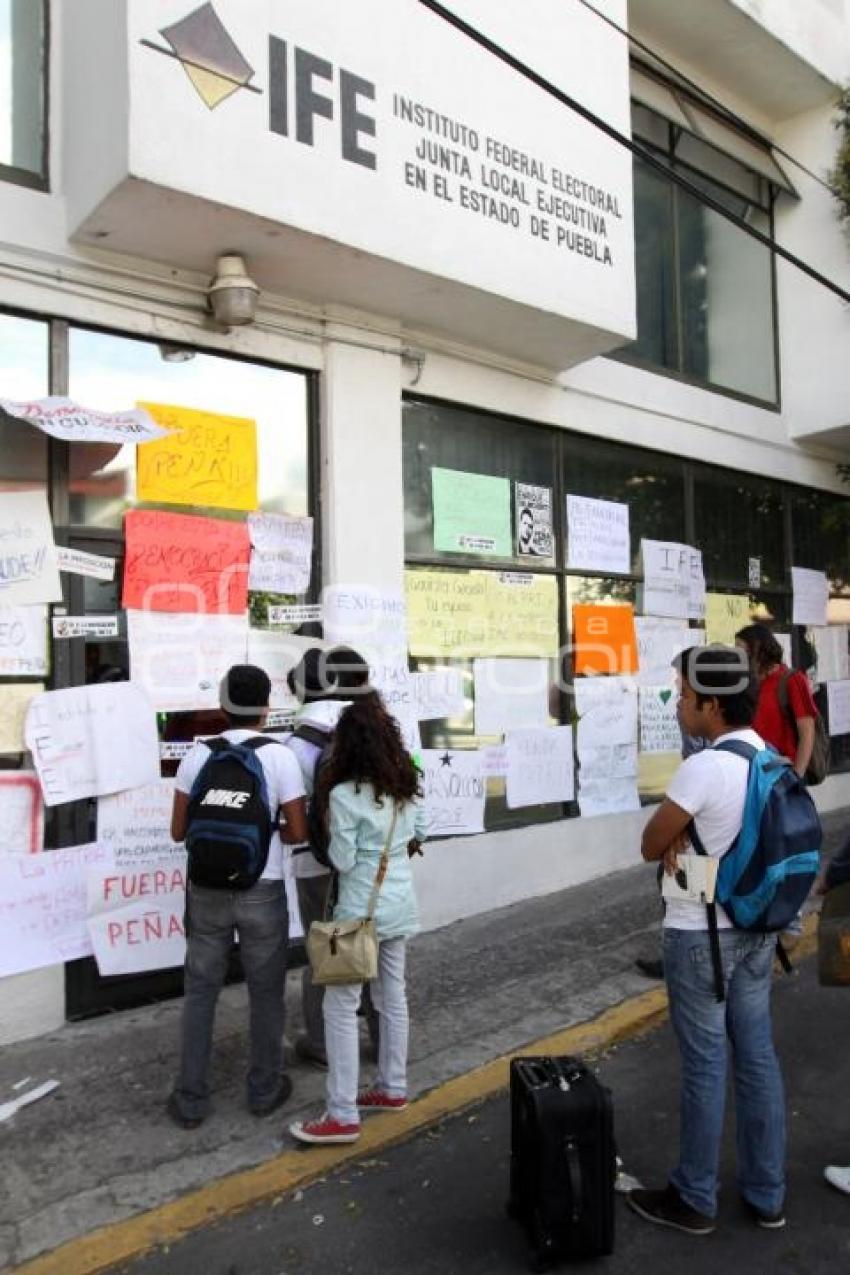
124 1241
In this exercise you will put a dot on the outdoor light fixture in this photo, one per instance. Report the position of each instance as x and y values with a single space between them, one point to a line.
175 353
232 294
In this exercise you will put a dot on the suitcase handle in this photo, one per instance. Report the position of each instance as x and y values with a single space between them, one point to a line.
540 1072
576 1181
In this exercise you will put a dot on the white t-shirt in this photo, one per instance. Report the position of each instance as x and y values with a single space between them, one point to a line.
711 786
283 780
323 715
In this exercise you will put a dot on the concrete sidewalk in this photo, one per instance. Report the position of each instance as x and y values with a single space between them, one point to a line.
101 1149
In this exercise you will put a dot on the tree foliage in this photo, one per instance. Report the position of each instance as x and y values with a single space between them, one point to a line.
839 176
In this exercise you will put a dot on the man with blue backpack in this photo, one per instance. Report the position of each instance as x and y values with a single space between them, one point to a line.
739 802
237 797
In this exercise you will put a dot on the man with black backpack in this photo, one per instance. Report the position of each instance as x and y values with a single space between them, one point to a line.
236 798
742 804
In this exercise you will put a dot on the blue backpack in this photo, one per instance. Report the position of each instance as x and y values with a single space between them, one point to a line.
765 876
230 821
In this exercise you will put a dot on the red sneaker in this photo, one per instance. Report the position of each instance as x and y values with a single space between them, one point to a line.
377 1100
324 1129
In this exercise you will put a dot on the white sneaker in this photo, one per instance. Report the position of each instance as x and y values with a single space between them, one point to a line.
838 1177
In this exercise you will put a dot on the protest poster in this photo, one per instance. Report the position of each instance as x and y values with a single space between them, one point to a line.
607 709
666 578
539 766
521 619
201 458
472 513
725 614
455 787
616 761
659 724
510 694
460 615
281 553
63 418
43 907
495 761
533 515
135 915
438 692
77 563
14 702
21 813
659 641
23 641
179 659
362 615
604 639
810 596
838 702
135 825
602 796
179 562
28 569
598 537
90 740
833 652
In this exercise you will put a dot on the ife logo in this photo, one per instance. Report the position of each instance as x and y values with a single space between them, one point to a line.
210 57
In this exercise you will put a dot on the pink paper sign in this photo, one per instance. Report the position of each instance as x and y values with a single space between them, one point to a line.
178 562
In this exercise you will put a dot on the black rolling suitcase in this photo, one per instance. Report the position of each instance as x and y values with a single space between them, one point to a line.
563 1161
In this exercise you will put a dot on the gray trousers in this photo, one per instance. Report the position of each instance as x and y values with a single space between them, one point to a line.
312 892
260 919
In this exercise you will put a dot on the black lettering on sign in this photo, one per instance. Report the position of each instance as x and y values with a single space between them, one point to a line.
278 87
354 122
307 101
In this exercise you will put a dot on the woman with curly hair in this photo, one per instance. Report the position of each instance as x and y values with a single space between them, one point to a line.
370 788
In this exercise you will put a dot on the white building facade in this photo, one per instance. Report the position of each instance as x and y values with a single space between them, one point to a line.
458 271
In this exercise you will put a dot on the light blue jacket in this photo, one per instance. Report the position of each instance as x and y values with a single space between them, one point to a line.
358 830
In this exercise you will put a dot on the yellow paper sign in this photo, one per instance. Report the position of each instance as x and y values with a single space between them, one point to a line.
205 460
725 614
14 701
463 614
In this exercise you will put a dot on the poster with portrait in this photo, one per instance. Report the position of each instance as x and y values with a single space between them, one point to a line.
533 520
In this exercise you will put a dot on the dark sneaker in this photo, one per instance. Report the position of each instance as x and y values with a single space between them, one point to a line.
307 1052
767 1221
172 1107
667 1208
652 969
266 1108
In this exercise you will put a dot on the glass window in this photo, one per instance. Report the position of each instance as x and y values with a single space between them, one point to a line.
738 517
657 340
115 372
23 375
821 535
22 88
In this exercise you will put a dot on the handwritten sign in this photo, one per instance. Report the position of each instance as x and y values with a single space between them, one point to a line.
76 562
533 516
135 915
281 553
838 701
277 653
65 419
510 694
604 639
659 641
832 645
14 701
134 825
89 740
674 582
28 568
363 615
603 796
437 693
43 908
472 513
179 660
539 766
460 615
455 787
74 626
23 641
659 725
811 596
202 459
725 614
177 562
21 824
598 535
607 709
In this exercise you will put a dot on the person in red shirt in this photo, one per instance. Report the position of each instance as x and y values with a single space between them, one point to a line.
791 729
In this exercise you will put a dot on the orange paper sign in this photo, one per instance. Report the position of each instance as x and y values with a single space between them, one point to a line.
604 639
177 562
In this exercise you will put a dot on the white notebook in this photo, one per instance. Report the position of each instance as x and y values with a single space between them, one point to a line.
695 879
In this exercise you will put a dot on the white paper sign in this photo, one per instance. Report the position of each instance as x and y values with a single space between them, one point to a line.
364 616
135 915
838 701
607 797
659 642
179 658
74 626
754 573
696 583
175 749
282 549
23 641
598 536
659 725
21 813
62 418
495 761
510 694
306 613
539 766
277 653
533 521
134 826
77 563
831 644
673 580
784 640
14 701
28 569
607 709
614 761
438 692
455 787
43 908
90 740
811 596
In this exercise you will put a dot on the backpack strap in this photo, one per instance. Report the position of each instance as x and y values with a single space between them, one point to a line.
311 735
784 701
219 744
737 746
711 912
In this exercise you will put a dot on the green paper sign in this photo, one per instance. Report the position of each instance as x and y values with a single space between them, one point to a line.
472 513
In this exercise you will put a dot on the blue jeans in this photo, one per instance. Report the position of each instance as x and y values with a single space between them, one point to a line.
260 918
702 1025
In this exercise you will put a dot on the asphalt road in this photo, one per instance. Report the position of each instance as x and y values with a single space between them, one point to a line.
436 1203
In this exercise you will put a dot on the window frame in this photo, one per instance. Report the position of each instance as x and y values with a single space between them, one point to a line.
28 178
